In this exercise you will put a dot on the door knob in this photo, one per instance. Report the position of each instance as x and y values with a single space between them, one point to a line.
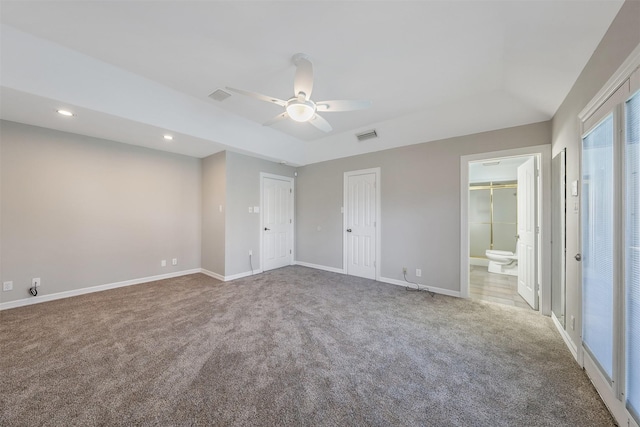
578 257
267 229
348 230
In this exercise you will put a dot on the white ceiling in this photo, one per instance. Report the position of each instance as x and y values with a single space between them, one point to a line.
498 170
134 70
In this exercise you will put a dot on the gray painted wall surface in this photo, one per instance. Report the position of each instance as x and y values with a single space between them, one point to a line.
243 228
420 203
214 195
619 41
80 211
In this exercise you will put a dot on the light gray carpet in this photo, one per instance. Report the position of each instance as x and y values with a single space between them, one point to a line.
293 346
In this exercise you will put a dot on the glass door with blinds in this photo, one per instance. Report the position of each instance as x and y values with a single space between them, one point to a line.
610 249
632 254
597 244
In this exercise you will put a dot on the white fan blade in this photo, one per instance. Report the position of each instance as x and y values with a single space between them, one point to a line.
276 119
320 123
304 78
259 96
342 105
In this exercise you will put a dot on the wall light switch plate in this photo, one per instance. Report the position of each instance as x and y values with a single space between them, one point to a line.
7 286
163 263
256 209
250 209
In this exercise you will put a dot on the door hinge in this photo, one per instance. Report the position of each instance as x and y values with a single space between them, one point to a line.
290 251
291 190
537 230
290 221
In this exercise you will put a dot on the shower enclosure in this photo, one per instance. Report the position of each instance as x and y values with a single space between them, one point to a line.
492 217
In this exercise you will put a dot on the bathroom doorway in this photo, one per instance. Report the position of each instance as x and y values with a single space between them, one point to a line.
503 239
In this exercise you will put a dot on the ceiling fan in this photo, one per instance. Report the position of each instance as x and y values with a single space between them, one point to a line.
300 107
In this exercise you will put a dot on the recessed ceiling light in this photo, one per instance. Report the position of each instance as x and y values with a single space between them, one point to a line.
65 113
168 137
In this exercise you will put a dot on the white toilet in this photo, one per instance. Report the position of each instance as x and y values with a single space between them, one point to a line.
503 262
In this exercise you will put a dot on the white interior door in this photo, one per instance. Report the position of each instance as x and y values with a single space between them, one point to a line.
277 222
527 222
360 223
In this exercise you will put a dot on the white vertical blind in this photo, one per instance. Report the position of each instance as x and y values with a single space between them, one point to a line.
632 261
597 243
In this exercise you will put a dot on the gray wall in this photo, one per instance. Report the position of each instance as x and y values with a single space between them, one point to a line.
80 211
619 41
214 195
242 227
420 202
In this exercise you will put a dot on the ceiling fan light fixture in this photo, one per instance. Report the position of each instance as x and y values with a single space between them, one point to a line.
300 111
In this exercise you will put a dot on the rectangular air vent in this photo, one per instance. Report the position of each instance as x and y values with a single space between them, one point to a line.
367 135
219 95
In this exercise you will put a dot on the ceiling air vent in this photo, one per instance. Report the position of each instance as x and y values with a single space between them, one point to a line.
219 95
370 134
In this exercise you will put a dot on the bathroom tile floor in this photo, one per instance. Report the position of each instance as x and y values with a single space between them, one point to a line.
492 287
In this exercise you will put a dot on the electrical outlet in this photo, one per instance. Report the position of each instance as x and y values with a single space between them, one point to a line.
174 261
250 209
250 252
7 286
163 263
35 282
404 270
418 272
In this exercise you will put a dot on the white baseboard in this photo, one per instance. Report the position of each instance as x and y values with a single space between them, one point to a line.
320 267
241 275
212 274
228 278
565 336
381 279
402 283
82 291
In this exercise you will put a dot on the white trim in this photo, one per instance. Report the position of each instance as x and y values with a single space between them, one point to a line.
404 284
212 274
387 280
617 79
292 255
378 261
229 278
565 336
544 279
241 275
99 288
605 390
320 267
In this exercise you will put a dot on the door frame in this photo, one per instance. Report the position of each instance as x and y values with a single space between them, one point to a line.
292 228
375 171
544 208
